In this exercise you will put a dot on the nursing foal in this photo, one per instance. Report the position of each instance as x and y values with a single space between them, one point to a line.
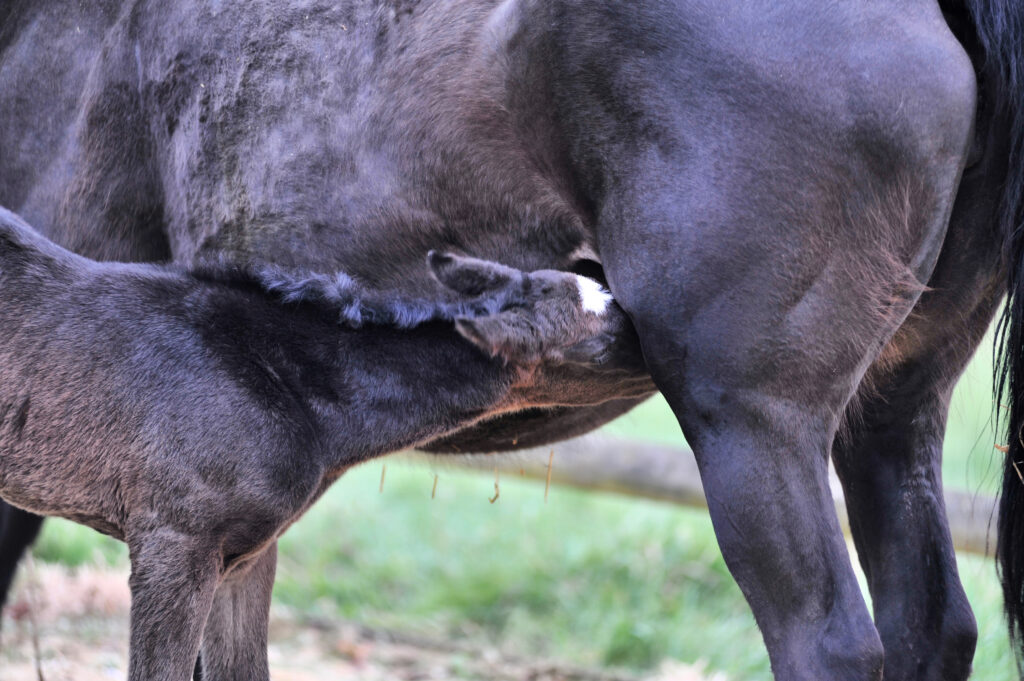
197 414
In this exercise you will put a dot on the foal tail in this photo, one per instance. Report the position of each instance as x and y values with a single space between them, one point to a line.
999 27
24 250
18 238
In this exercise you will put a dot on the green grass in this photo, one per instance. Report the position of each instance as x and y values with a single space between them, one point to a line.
595 579
590 578
73 545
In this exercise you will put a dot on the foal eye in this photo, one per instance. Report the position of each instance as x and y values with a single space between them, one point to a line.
590 269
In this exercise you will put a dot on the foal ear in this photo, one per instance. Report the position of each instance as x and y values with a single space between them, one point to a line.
484 332
503 335
469 276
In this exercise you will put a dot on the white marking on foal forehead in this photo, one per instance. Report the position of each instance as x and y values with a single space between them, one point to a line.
593 296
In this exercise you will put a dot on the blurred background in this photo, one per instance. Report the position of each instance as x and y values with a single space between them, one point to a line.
587 585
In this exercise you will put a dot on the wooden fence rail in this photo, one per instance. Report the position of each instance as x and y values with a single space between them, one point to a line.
666 473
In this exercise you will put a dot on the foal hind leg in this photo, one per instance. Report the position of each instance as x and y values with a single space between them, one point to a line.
18 529
235 638
173 581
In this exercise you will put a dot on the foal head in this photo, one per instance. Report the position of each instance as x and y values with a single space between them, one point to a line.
561 330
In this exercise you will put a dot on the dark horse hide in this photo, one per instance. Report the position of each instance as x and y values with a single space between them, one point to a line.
810 211
197 415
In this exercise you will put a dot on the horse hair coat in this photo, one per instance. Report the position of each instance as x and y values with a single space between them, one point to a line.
809 211
196 416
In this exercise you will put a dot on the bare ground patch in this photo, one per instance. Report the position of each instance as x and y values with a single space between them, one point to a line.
72 625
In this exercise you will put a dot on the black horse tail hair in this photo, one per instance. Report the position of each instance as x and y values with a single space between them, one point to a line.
16 235
999 27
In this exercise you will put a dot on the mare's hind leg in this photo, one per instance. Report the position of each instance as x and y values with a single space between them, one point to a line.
890 466
173 581
18 529
762 285
758 353
762 451
890 463
235 638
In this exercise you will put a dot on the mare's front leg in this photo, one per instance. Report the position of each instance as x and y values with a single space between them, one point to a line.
235 639
173 582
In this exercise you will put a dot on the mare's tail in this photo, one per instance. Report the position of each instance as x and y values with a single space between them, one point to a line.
999 56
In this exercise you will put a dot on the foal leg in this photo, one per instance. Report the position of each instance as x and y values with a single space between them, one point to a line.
18 529
173 581
235 638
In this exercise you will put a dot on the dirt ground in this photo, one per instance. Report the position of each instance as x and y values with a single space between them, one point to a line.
64 625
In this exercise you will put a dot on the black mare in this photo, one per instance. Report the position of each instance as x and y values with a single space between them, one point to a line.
809 210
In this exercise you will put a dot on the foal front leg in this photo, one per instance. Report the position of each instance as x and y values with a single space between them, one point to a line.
235 638
173 581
